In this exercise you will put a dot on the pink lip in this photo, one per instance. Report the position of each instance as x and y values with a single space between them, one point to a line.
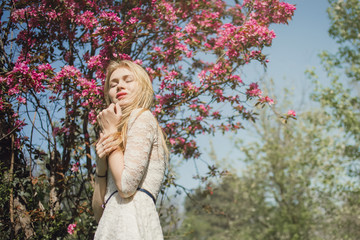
120 94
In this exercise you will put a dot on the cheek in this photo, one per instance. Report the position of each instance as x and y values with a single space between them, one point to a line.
135 88
111 92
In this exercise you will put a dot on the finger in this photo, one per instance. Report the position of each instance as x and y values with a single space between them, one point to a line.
104 138
107 143
108 147
111 107
102 155
111 139
100 146
99 152
108 151
102 152
105 151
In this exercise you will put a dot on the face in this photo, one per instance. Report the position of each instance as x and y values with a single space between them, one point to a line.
123 86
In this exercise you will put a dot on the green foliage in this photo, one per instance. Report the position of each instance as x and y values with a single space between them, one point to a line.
345 29
341 99
34 213
287 191
344 107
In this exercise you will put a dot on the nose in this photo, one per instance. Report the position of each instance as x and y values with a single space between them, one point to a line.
120 86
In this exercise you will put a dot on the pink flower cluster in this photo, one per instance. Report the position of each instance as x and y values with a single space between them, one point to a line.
21 79
75 168
234 38
291 113
266 11
171 39
87 19
71 228
254 91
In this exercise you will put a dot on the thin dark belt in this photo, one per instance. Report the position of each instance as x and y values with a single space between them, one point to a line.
148 193
138 189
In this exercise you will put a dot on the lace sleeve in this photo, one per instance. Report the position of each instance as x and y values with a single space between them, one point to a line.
140 139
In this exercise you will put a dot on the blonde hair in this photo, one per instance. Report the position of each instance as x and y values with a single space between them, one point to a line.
143 97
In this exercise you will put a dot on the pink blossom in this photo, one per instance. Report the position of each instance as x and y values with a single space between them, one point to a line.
218 92
199 118
169 15
14 90
92 116
75 167
18 14
110 16
87 19
253 90
45 67
138 61
189 54
21 67
236 78
190 28
17 143
21 99
133 20
71 228
202 107
52 14
158 108
172 141
267 99
291 113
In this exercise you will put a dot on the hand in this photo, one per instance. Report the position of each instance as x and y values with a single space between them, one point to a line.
101 162
109 118
107 144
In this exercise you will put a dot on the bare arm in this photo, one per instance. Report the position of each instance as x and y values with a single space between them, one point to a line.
100 182
116 165
98 197
107 120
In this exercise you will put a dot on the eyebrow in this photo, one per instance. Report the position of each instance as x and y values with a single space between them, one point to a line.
124 76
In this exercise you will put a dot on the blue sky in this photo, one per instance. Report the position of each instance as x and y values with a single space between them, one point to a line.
294 50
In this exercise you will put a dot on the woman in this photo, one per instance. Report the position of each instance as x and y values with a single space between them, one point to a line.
132 157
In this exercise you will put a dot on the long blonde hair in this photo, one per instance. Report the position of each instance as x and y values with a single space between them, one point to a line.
143 97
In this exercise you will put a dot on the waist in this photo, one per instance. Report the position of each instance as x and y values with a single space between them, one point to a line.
138 189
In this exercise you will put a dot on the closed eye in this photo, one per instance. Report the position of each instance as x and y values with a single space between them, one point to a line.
113 83
128 78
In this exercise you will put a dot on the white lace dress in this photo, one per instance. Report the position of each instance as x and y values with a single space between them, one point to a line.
144 166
